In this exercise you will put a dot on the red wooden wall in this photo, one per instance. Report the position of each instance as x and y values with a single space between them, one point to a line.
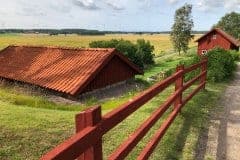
207 42
115 71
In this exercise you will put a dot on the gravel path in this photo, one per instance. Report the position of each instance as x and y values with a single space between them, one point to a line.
222 138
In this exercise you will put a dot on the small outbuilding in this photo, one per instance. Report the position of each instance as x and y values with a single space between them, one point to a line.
216 38
66 70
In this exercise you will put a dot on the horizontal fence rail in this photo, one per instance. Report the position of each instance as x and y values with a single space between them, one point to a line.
86 144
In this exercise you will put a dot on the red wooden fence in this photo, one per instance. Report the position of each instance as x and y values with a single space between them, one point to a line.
86 144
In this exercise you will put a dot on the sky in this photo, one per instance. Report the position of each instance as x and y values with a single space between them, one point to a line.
115 15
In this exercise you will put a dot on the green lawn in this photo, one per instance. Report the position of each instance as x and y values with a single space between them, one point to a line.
28 132
31 125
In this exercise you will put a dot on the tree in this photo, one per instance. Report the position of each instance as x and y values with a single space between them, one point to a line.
140 53
145 51
182 28
230 23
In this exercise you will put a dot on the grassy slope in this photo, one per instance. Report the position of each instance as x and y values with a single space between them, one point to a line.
161 42
27 133
30 126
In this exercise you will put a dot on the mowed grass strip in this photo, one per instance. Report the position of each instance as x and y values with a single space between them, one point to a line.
161 42
27 133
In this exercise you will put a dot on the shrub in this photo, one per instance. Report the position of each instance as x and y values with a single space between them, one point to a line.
140 53
169 72
235 55
220 64
145 50
193 60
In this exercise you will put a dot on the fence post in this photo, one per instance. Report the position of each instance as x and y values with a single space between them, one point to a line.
90 117
179 85
203 69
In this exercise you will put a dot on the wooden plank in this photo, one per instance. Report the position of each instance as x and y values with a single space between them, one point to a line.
204 69
78 143
118 115
75 145
125 148
179 86
90 127
191 82
194 67
90 117
147 151
194 93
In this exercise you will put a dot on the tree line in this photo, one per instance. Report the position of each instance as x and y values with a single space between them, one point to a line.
81 31
54 31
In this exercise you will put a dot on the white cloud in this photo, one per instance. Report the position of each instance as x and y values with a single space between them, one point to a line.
173 1
105 14
115 5
209 5
86 4
232 4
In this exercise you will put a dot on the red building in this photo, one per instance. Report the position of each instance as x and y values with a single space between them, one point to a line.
66 70
216 38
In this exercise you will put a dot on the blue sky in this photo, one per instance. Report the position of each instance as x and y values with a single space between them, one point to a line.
125 15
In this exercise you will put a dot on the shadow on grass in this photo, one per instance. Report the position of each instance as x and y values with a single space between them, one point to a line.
194 115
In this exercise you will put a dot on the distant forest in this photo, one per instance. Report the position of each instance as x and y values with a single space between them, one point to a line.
79 31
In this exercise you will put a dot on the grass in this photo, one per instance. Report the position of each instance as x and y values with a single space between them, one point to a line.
166 63
161 42
9 95
31 125
18 98
181 138
28 132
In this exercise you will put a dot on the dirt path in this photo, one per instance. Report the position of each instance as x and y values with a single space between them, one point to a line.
221 141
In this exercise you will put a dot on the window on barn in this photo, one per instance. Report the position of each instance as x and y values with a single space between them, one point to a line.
204 52
214 36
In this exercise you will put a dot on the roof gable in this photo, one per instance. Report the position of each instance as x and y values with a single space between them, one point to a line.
224 34
60 69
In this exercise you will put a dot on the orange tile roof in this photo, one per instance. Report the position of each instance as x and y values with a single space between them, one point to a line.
224 34
61 69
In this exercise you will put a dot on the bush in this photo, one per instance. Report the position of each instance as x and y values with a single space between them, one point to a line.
193 60
145 51
140 53
220 64
169 72
235 55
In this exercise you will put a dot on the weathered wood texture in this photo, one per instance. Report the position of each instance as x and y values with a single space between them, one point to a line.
86 144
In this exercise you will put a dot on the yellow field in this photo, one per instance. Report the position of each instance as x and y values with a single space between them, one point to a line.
161 42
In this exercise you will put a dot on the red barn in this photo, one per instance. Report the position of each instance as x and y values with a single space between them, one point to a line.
216 38
66 70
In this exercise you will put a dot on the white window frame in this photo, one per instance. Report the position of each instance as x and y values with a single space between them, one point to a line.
214 36
204 51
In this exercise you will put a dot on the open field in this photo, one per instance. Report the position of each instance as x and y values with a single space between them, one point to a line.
161 42
31 125
28 132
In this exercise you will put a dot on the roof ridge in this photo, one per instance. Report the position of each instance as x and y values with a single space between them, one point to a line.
65 48
223 33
